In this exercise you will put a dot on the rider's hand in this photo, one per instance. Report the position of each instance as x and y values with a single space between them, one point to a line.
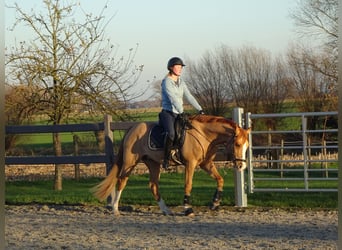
201 112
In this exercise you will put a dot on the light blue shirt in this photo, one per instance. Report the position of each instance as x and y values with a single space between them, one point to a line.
173 94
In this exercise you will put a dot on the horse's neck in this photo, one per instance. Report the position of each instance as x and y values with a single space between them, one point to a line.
216 133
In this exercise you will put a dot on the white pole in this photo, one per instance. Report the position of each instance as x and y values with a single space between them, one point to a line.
239 176
248 123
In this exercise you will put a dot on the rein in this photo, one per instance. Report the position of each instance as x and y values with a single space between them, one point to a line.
231 142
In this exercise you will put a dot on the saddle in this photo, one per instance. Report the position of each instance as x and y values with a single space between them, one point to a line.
156 137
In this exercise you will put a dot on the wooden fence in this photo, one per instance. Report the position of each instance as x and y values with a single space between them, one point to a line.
107 157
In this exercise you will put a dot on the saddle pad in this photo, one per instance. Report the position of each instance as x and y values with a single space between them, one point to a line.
156 137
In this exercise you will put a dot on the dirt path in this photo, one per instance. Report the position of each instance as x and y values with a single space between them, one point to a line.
83 227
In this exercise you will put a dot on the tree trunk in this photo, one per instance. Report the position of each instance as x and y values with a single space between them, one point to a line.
58 167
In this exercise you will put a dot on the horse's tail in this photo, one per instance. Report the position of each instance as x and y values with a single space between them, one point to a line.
104 188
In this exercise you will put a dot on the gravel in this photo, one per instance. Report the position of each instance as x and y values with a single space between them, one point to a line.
144 227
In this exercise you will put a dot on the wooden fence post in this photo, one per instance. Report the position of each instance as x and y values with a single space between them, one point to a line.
108 134
76 151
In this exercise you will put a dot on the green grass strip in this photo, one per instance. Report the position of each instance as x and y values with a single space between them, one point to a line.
137 192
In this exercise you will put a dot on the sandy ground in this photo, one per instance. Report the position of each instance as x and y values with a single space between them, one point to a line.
86 227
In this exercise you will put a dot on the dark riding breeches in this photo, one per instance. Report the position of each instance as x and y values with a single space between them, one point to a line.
167 121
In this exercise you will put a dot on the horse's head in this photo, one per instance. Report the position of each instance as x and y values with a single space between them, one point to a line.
240 146
221 128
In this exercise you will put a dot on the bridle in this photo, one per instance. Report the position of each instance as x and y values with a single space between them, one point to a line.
232 142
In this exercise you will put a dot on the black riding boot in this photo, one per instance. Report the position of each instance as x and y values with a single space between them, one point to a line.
167 152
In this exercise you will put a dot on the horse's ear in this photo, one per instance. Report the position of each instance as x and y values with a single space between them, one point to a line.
237 131
249 130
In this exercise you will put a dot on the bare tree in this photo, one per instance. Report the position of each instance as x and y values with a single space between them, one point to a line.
318 19
16 111
311 85
156 85
256 81
251 74
72 66
277 91
16 97
249 77
208 83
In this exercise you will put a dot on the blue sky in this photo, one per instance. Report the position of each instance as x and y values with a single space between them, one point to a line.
185 28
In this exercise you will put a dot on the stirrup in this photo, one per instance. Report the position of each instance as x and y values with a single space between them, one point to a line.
175 157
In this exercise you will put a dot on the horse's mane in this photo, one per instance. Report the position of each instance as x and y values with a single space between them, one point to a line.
213 119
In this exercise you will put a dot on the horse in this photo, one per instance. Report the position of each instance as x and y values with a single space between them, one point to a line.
200 144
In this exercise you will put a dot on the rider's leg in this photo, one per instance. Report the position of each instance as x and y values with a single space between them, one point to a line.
167 151
167 121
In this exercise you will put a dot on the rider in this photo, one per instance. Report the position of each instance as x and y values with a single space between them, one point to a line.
173 89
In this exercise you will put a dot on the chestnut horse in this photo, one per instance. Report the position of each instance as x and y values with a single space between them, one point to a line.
199 149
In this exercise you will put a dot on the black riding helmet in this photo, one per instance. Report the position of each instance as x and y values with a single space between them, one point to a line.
174 61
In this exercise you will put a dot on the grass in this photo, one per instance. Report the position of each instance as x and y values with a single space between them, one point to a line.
137 192
171 184
41 144
25 192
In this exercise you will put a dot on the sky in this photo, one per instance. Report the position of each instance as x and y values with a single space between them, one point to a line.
183 28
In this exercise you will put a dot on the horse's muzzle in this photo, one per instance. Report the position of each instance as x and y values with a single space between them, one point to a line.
240 164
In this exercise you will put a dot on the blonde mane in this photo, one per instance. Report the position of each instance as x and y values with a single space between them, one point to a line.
213 119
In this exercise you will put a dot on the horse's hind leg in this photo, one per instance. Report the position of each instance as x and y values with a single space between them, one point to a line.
116 194
211 169
121 184
154 169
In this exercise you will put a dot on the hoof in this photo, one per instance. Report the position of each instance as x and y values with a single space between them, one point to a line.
214 207
109 207
168 213
129 209
189 212
116 213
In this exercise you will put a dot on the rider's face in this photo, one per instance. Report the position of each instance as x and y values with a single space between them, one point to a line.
177 70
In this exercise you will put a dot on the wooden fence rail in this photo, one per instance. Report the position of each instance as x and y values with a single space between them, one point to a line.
107 157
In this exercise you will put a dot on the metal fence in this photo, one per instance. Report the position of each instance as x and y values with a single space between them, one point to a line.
302 165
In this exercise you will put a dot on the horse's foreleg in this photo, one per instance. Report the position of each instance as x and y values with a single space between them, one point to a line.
217 198
211 169
189 174
154 169
164 208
